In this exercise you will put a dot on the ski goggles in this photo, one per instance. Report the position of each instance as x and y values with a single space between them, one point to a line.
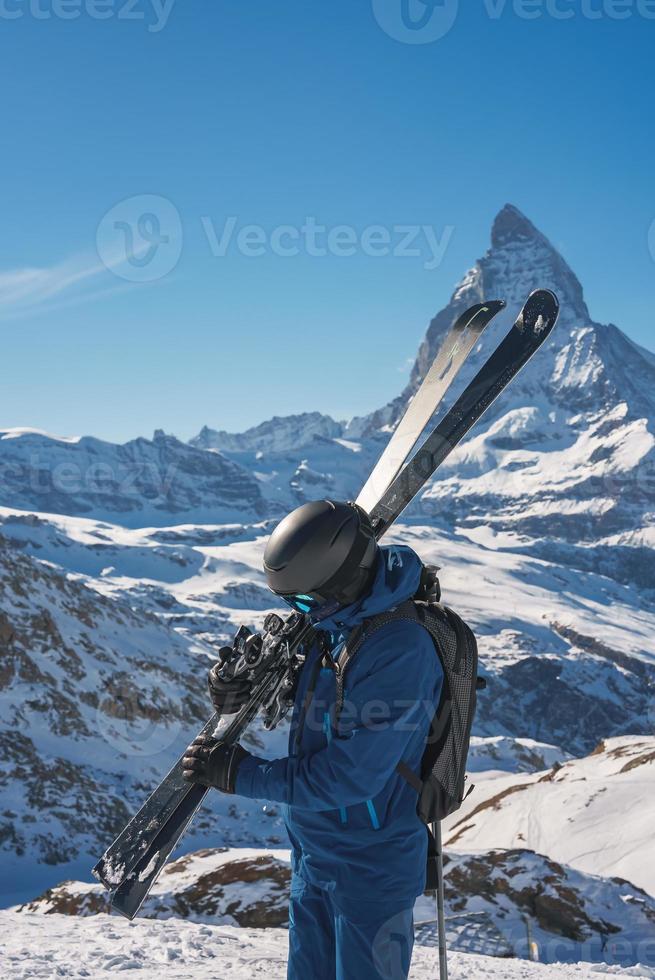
311 604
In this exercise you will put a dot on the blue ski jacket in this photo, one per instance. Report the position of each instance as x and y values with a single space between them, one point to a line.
350 816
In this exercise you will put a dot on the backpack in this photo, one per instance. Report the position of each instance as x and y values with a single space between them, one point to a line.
440 784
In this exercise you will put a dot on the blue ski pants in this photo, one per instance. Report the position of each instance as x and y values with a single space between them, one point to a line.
369 942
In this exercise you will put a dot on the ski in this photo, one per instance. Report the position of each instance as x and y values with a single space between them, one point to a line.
145 834
457 345
533 325
131 865
123 854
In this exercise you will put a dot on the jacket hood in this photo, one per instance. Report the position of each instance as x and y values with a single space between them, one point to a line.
397 577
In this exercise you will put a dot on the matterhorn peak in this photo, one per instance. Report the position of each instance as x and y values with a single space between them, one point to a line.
583 366
521 259
511 225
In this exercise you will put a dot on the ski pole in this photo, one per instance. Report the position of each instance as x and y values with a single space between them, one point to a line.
441 919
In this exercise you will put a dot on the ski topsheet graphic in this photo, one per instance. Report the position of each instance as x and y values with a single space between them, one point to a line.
132 863
457 345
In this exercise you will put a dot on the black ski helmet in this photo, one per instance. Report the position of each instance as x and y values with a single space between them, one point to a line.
321 556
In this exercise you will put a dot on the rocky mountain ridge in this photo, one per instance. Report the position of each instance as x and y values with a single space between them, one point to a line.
136 484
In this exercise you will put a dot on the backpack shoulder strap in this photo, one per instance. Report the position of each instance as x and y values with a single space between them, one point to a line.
406 610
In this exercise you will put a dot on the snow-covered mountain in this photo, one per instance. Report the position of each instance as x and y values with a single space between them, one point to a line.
122 568
550 678
92 699
563 465
500 753
137 484
275 435
105 674
96 700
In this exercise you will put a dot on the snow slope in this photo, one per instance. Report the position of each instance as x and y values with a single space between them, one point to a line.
105 672
38 946
493 754
595 814
96 702
221 886
571 658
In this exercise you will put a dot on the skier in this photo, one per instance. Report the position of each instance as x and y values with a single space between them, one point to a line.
358 847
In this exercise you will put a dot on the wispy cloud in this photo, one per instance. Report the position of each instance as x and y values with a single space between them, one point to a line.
32 290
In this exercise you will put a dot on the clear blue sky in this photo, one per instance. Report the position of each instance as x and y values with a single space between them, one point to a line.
271 112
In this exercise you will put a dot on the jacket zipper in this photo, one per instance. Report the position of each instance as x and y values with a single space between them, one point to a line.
338 673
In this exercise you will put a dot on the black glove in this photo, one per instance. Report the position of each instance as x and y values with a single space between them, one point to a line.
227 696
211 763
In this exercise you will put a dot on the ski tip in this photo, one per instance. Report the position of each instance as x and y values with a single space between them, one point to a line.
539 315
544 293
478 316
493 306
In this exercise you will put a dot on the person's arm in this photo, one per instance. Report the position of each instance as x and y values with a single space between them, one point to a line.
382 711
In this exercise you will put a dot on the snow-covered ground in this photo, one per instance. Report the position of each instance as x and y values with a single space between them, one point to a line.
39 946
573 916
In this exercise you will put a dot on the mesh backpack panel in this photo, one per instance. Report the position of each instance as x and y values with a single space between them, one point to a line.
443 766
440 785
